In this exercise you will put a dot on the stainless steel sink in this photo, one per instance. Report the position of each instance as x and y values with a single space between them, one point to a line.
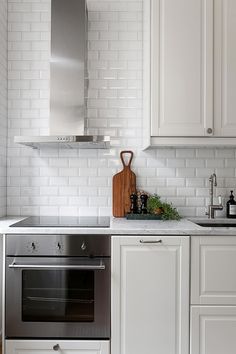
216 224
220 222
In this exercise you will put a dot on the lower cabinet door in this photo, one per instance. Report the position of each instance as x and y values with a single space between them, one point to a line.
54 346
150 295
213 330
213 264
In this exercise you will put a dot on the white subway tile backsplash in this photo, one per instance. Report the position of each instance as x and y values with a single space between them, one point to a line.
176 162
48 190
3 106
166 192
176 182
213 163
195 162
47 210
188 211
65 190
205 153
195 202
152 182
202 192
78 182
185 192
225 172
195 182
225 153
166 172
57 200
185 172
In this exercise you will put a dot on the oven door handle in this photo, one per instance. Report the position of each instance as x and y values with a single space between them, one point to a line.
100 266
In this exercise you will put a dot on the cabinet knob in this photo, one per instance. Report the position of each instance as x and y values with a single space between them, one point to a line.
209 130
56 347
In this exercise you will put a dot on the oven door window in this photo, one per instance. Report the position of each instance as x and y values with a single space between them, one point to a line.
58 295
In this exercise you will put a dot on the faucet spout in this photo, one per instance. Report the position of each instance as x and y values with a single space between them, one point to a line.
211 206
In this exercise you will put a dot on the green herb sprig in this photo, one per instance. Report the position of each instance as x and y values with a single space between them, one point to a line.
166 210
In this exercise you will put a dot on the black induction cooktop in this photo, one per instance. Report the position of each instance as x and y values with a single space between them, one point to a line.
64 221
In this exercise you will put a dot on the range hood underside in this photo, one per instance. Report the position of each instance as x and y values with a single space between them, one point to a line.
65 141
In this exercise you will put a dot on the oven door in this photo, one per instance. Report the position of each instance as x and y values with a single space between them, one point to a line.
57 297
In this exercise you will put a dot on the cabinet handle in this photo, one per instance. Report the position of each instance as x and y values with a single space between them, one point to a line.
56 347
209 131
154 241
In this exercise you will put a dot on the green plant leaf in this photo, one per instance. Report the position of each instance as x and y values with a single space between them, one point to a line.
169 212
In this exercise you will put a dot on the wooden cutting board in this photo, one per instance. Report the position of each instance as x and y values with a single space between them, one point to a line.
123 184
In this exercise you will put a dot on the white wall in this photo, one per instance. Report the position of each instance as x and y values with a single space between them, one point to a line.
79 182
3 104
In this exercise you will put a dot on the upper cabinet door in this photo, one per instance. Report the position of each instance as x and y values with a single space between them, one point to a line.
182 67
225 68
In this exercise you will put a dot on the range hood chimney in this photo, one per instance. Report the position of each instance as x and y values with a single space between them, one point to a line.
68 73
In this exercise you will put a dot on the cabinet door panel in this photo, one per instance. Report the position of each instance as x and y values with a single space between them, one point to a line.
150 296
182 67
225 67
213 330
213 264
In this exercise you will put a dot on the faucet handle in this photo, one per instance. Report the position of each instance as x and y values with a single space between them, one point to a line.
220 199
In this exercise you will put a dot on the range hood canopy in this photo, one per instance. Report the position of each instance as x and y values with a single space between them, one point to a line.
65 141
68 87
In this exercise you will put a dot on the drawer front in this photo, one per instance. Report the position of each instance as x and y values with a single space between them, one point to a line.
213 270
213 330
53 346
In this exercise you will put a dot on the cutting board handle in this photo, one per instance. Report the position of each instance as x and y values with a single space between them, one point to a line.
122 158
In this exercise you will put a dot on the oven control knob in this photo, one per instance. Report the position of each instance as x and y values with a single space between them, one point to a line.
83 246
32 247
56 347
58 246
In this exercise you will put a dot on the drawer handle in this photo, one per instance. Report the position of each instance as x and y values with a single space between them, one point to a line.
56 347
154 241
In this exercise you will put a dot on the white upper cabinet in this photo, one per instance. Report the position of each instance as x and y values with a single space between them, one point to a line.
182 66
225 68
189 72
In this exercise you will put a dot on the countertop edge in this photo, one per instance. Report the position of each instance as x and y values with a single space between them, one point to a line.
184 227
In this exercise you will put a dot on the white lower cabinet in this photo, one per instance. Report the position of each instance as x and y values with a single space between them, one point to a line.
150 295
53 346
213 295
213 330
213 265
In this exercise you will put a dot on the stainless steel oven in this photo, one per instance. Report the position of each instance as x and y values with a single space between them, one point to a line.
57 286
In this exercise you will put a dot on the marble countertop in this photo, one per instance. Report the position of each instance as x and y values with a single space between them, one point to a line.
121 226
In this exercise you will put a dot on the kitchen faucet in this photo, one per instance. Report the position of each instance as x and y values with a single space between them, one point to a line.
211 206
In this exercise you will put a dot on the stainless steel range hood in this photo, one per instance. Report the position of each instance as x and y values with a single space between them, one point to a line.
68 81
